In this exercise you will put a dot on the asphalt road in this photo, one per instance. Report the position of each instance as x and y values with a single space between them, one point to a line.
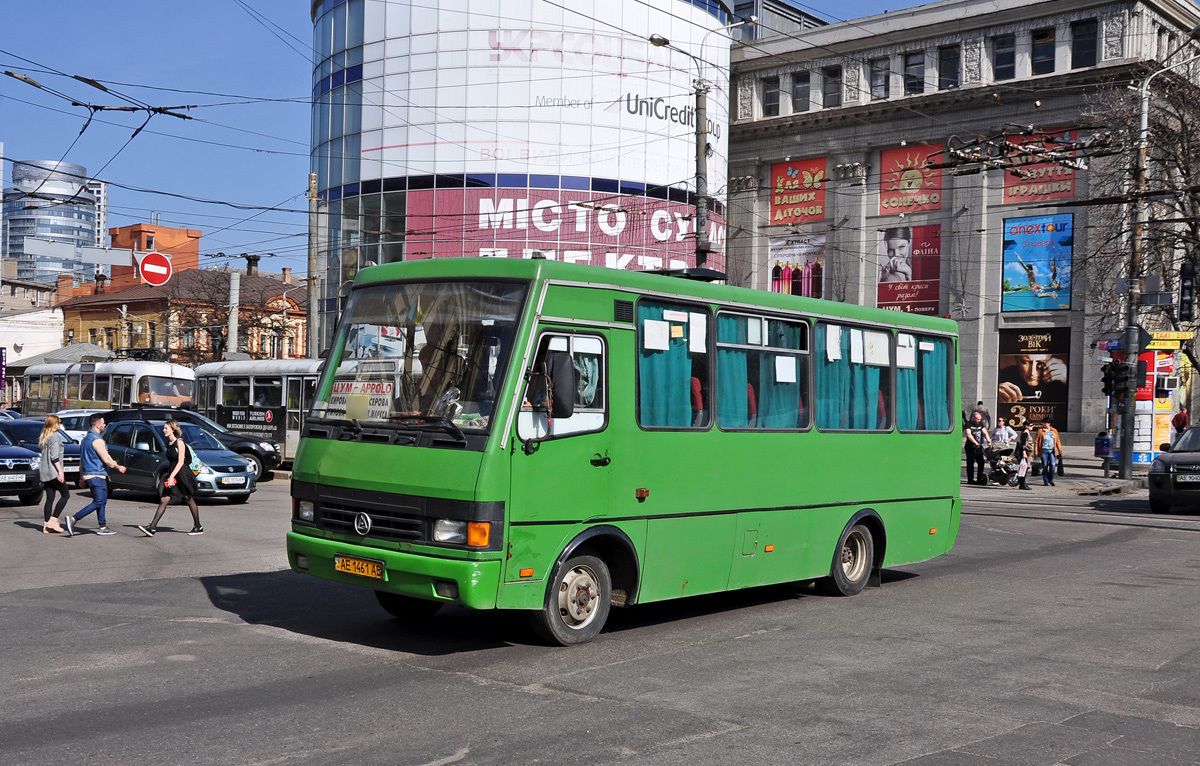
1060 630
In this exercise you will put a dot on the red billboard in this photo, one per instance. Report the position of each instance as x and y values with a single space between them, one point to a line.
906 182
798 191
910 265
617 231
1039 181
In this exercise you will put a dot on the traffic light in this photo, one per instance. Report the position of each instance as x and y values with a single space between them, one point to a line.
1106 373
1187 290
1120 380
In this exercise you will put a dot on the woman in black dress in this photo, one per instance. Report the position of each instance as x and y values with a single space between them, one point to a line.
180 481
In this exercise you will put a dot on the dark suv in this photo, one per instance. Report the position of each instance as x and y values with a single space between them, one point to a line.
19 472
25 432
264 454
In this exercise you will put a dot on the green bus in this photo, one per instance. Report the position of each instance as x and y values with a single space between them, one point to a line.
560 438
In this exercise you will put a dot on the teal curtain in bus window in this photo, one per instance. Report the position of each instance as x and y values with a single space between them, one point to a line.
908 405
833 380
864 397
779 403
934 385
907 408
664 378
732 373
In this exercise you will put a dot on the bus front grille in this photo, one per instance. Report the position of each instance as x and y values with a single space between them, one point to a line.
385 524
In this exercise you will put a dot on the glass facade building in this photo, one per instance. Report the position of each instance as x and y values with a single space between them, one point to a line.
503 129
49 200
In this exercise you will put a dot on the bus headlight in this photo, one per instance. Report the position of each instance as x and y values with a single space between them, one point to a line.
304 510
476 534
447 531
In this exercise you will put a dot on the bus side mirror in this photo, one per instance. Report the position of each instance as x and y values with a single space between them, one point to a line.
561 372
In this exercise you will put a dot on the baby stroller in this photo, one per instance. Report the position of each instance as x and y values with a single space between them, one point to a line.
1002 468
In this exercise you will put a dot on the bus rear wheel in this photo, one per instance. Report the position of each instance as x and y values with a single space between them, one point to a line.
405 607
853 561
577 602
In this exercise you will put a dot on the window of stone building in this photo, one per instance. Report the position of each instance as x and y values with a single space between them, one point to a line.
770 97
1043 51
801 95
949 58
914 73
1083 43
1004 57
831 86
881 75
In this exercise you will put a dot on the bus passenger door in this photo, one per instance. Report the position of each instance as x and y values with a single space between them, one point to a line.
560 465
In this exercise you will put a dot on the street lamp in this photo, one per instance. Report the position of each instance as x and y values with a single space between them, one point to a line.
700 89
1141 160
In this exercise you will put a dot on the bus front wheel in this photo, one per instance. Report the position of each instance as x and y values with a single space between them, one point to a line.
853 560
577 602
405 607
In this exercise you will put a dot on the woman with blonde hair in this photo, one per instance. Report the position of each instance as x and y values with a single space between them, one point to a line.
180 480
51 474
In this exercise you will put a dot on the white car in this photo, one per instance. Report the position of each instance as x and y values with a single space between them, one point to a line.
76 422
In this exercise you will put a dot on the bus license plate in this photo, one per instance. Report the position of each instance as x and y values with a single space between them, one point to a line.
233 480
360 567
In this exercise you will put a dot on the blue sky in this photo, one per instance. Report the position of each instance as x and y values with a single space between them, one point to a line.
248 153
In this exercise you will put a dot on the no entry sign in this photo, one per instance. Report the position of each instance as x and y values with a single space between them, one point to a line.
155 269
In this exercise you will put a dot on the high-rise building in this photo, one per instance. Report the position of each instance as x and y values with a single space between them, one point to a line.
99 190
49 200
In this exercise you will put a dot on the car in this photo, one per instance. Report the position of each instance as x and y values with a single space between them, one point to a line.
9 415
265 455
77 422
1175 474
25 432
19 472
140 446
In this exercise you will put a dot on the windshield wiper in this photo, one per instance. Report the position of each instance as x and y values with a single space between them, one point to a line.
441 421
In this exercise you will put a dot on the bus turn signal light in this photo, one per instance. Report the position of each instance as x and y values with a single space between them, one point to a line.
933 530
527 572
479 534
768 548
641 493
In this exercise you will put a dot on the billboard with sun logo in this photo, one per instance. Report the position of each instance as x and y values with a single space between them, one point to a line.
798 191
906 182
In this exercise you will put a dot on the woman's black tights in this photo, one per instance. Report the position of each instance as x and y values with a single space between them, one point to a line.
52 487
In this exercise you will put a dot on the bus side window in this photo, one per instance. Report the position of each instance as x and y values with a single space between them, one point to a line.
673 366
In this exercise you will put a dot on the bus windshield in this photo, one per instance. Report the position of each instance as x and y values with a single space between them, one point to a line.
422 350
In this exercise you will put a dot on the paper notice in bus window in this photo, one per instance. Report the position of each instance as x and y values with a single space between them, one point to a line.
926 346
362 399
754 331
675 316
785 369
697 333
676 331
656 335
856 346
906 357
833 342
875 348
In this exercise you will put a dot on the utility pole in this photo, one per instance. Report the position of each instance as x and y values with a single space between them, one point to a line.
313 320
701 170
235 298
